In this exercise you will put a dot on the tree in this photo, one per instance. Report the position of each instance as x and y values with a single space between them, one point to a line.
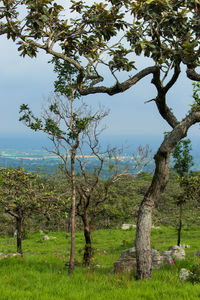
63 113
80 129
166 31
19 195
92 192
183 161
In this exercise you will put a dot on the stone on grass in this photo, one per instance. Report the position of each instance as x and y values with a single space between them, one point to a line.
184 274
127 259
177 252
3 255
128 226
197 253
185 246
46 238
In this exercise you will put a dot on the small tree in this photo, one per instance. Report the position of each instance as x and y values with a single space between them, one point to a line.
183 161
93 192
19 195
67 141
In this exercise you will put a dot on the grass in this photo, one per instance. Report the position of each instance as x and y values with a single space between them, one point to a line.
42 273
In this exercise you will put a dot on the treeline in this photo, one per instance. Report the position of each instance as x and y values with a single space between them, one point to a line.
121 206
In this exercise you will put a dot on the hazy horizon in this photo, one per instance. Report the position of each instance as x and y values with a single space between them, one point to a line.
129 143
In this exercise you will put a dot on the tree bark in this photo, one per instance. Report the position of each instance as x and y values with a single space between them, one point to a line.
88 243
73 212
144 222
158 184
180 224
19 235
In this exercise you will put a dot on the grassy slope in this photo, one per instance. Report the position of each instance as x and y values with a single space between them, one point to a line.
42 273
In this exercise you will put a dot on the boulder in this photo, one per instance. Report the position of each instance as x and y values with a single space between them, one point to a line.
197 253
128 226
177 252
3 255
46 238
185 246
126 262
184 274
127 259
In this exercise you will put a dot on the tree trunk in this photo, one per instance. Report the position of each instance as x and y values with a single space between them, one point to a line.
144 222
19 235
180 224
73 212
88 247
159 181
68 223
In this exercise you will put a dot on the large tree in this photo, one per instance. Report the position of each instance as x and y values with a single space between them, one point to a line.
110 33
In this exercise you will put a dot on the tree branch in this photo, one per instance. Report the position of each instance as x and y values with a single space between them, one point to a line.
118 87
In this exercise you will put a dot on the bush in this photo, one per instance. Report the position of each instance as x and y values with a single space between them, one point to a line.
195 274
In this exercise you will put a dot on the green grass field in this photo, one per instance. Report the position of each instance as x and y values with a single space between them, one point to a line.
43 275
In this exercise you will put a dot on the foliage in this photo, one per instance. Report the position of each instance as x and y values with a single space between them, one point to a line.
195 273
183 161
196 90
19 191
166 31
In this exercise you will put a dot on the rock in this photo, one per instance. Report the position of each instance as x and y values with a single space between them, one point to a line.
128 226
126 262
46 238
185 246
184 274
155 227
177 252
197 253
3 255
127 259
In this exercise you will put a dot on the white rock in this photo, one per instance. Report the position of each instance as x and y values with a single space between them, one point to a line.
184 274
46 238
128 226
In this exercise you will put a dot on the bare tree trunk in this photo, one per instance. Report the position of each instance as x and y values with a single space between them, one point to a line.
73 212
144 222
88 248
19 235
158 184
68 222
180 224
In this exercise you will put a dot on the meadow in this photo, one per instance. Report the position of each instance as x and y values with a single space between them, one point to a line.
42 274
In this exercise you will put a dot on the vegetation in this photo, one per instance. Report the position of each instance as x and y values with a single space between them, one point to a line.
19 196
165 31
42 274
183 161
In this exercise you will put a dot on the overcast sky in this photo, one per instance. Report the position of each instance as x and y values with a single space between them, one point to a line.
26 80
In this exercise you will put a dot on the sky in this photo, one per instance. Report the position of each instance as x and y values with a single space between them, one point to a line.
30 81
